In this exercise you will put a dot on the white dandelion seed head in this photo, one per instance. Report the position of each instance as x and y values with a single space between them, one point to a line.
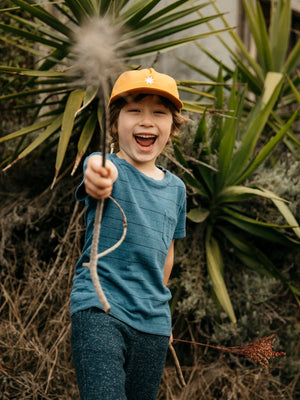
96 51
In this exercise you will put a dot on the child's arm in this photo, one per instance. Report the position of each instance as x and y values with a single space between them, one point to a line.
98 180
169 264
167 271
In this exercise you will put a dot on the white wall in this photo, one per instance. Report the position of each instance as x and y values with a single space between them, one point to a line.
190 52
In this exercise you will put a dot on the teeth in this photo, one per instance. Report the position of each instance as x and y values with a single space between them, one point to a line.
146 136
145 140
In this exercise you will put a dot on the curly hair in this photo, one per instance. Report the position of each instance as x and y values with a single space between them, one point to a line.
116 106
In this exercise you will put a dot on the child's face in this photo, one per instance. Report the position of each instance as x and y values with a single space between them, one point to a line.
144 128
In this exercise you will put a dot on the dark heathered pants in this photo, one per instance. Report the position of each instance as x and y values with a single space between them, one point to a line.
114 361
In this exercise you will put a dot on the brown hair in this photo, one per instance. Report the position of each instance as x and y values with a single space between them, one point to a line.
116 106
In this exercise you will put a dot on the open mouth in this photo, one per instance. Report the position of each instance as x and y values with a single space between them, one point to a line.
145 140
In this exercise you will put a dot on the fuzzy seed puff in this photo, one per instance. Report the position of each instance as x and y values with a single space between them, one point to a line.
97 51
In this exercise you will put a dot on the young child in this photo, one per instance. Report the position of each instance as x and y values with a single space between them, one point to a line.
121 355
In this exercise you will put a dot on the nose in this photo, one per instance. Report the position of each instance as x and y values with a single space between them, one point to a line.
146 119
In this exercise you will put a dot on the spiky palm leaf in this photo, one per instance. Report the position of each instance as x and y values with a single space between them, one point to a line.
272 54
63 105
230 144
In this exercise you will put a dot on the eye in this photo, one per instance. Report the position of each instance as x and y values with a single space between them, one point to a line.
160 111
133 110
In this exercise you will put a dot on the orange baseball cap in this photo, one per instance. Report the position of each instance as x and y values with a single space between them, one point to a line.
146 81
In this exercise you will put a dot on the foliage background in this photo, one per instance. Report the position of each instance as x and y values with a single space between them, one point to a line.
41 237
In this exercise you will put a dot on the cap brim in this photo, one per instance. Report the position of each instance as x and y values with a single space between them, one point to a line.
149 90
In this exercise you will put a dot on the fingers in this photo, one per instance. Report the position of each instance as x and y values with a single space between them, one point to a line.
98 181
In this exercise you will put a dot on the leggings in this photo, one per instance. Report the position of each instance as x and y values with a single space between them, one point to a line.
114 361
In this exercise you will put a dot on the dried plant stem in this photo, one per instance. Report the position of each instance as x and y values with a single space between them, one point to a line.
98 218
260 350
93 258
95 49
177 365
94 250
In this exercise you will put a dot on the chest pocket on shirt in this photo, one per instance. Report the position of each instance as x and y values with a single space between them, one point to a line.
168 229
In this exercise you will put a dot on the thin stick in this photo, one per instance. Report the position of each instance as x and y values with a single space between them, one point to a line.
177 365
97 224
93 258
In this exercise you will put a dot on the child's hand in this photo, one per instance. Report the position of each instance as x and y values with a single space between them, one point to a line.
98 180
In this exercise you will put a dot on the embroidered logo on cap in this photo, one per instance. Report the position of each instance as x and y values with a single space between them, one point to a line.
149 80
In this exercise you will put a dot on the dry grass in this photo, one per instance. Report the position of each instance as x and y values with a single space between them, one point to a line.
41 237
36 274
219 381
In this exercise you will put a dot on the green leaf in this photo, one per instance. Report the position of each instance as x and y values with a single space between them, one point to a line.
195 107
164 16
294 89
54 58
188 176
255 126
255 259
31 72
55 89
38 27
217 126
215 267
73 104
52 128
254 222
44 16
293 59
81 9
242 50
200 133
267 149
141 11
85 139
259 31
232 194
28 129
90 95
33 37
198 214
280 27
207 179
286 213
156 35
273 80
257 228
250 254
168 45
26 49
87 133
195 91
227 134
179 157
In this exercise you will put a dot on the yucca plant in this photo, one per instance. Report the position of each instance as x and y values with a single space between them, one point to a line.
66 103
271 54
221 193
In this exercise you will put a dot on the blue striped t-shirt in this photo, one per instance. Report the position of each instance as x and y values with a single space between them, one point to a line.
132 275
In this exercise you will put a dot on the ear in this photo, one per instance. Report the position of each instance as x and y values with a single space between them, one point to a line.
114 128
174 130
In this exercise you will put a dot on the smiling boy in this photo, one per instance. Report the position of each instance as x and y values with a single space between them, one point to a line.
122 355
